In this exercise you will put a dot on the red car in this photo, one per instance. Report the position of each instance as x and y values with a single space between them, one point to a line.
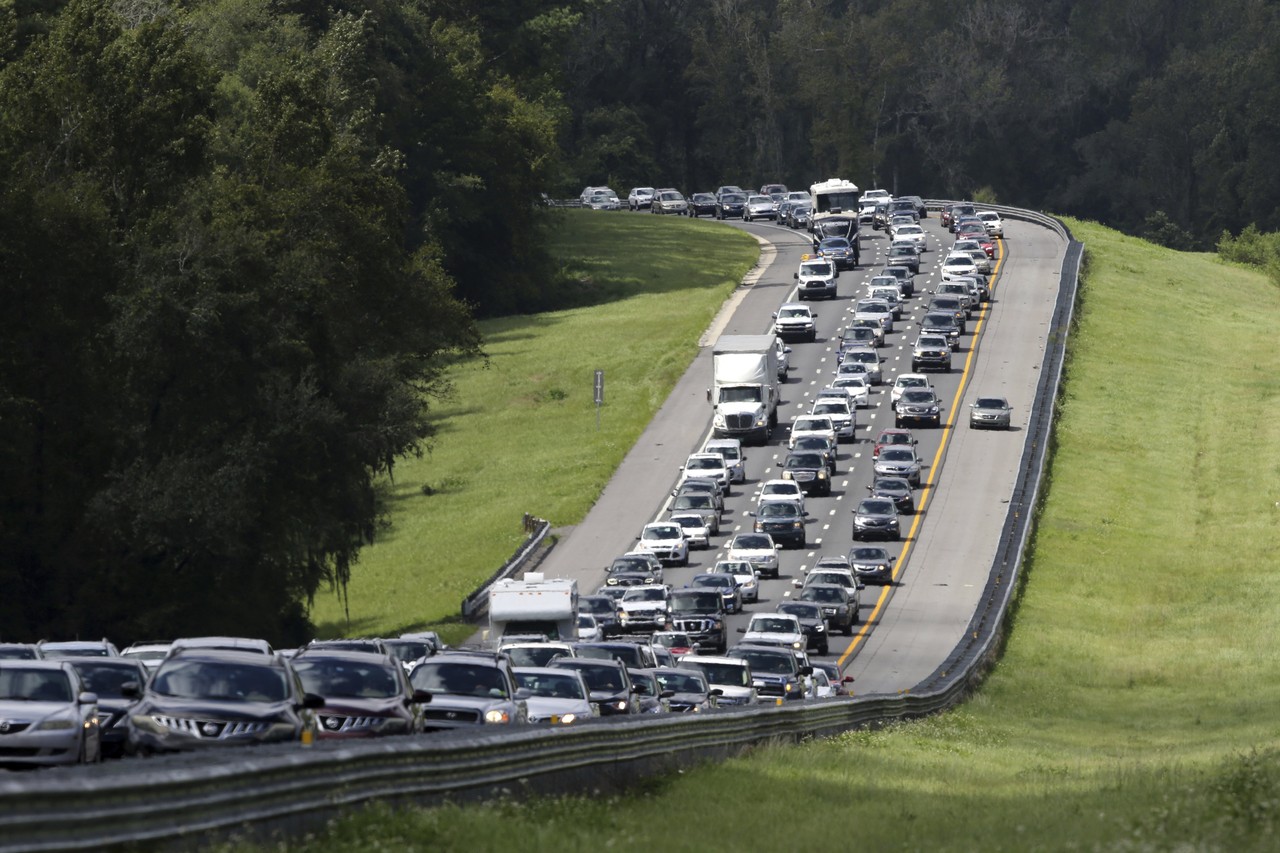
890 437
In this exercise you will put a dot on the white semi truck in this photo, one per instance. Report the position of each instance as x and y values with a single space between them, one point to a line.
536 607
744 387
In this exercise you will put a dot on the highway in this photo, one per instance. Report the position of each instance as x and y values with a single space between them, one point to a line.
948 546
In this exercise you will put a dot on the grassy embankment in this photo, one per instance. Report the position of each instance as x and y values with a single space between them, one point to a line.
520 435
1136 704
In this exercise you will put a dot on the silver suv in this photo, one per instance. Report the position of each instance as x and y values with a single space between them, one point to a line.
933 351
470 688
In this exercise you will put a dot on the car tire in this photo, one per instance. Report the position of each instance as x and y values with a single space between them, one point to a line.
848 629
857 620
823 650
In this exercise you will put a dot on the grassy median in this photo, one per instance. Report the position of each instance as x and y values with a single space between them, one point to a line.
520 435
1135 705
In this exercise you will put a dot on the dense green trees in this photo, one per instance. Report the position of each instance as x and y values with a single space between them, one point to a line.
1110 111
216 329
242 239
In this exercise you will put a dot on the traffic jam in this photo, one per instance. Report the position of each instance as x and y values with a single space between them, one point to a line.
755 582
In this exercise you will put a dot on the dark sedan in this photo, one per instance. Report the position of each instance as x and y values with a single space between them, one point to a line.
876 518
731 206
809 471
898 490
812 621
783 520
702 204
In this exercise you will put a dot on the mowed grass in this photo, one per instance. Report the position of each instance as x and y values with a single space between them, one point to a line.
1137 704
520 434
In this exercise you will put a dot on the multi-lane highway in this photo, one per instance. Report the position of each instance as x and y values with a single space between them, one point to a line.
947 547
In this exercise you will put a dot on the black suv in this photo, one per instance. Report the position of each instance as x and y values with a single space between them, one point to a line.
470 688
700 614
808 469
838 606
730 206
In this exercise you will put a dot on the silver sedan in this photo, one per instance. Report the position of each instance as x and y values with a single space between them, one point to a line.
990 412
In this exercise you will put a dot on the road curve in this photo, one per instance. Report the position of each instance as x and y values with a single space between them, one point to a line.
910 627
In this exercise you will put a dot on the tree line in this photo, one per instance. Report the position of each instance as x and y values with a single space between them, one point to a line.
242 241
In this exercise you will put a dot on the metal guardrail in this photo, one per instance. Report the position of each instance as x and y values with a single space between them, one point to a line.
478 602
288 788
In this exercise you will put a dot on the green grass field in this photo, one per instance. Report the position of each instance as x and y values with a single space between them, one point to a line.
520 435
1135 707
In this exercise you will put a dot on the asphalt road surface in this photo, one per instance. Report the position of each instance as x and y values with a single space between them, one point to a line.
945 555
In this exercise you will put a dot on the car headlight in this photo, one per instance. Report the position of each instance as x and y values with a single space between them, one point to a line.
822 475
796 645
497 716
822 628
55 725
786 475
621 704
566 719
788 687
719 420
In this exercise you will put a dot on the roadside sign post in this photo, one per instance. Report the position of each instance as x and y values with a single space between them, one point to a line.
599 395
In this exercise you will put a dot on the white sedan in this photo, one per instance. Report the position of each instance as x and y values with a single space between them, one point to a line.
780 490
758 549
957 265
906 381
666 541
915 234
859 388
811 425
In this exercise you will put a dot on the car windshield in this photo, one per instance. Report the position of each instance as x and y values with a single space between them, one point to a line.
672 640
834 243
601 677
813 442
889 486
789 489
921 396
939 343
596 606
768 661
645 593
912 382
876 506
802 460
663 532
815 269
34 685
106 679
782 509
705 463
833 578
769 625
990 403
729 674
695 601
830 407
894 438
691 502
628 564
535 655
897 454
802 611
460 678
740 394
716 581
670 196
219 680
794 312
733 567
680 682
868 555
732 198
822 593
552 685
344 679
749 542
